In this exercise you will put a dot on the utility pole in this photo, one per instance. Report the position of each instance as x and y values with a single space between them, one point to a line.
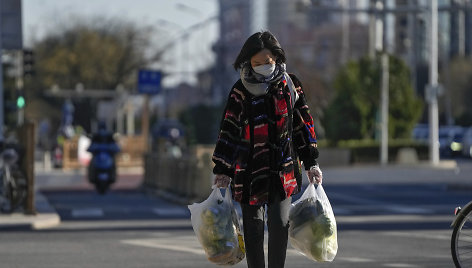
384 99
411 21
345 32
372 32
461 29
433 88
380 34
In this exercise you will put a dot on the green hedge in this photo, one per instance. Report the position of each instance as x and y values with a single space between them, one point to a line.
368 151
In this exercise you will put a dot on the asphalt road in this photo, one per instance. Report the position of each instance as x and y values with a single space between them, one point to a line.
387 217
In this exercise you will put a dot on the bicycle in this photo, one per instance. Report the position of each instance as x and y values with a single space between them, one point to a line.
461 240
13 184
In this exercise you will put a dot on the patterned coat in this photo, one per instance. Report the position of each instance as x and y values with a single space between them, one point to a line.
262 140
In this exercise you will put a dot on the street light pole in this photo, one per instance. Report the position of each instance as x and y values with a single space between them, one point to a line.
345 33
432 88
380 35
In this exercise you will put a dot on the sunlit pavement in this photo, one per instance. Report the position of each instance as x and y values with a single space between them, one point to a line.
392 216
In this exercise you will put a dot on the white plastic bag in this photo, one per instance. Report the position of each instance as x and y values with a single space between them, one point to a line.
312 228
216 224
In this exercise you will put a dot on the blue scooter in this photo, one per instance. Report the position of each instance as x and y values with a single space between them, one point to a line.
102 168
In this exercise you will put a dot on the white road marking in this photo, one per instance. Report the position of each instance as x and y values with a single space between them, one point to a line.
156 243
385 206
176 211
409 210
392 218
427 235
400 265
87 212
190 244
342 211
354 259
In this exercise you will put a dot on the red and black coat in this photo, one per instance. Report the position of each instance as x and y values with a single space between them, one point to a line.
262 140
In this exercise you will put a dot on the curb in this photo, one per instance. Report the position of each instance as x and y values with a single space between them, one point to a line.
46 217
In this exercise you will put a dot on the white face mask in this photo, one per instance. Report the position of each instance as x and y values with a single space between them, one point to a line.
265 70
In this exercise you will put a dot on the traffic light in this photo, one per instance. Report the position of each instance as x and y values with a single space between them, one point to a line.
20 100
28 62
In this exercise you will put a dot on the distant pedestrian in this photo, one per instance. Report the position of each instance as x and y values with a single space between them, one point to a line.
265 131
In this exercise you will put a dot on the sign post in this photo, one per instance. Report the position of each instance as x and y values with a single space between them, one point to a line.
149 83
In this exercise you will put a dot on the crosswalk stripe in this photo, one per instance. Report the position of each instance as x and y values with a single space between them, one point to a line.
176 211
408 210
422 235
87 212
376 204
400 265
354 259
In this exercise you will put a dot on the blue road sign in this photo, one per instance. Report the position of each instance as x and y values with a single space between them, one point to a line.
149 82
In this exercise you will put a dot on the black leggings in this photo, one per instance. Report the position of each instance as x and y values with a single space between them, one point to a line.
277 225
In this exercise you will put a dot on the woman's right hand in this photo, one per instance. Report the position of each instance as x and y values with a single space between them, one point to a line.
222 181
315 175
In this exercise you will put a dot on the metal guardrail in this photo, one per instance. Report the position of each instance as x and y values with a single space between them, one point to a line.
188 178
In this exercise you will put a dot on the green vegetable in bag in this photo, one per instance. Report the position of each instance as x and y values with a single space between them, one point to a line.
312 227
216 225
217 228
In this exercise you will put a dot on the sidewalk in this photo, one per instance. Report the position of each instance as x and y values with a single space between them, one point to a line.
449 172
46 215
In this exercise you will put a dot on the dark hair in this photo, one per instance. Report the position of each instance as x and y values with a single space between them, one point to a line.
256 43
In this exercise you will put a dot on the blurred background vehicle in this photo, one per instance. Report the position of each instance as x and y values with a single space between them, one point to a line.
421 133
450 141
467 143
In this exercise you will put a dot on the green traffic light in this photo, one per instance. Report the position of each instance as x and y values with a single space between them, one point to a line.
20 102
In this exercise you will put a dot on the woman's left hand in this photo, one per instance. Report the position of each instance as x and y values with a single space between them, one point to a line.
315 175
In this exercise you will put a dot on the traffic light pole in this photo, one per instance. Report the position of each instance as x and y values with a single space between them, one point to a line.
19 86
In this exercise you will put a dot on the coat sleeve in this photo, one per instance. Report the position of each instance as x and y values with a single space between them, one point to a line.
304 136
229 139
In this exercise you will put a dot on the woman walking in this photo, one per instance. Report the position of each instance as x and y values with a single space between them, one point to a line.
265 132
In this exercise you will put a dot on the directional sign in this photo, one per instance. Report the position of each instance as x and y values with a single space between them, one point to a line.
149 82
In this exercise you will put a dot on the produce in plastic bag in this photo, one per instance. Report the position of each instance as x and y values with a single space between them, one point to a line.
216 225
313 226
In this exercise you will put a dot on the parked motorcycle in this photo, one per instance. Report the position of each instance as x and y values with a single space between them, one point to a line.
13 185
102 167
